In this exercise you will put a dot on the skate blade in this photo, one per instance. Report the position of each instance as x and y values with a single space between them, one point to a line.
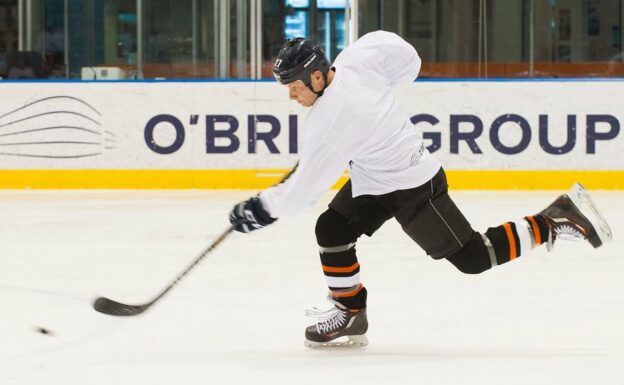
350 342
583 201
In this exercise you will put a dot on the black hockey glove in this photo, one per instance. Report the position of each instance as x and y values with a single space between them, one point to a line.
249 216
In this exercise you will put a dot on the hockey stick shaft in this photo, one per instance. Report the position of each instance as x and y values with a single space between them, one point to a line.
108 306
201 256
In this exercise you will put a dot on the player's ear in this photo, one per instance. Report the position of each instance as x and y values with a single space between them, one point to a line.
317 75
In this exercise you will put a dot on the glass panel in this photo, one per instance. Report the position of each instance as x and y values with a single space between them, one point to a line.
205 41
445 32
330 31
82 47
296 25
41 53
298 3
214 44
578 38
168 41
331 4
9 40
120 33
54 38
505 26
320 20
239 39
212 38
288 22
506 39
369 16
99 33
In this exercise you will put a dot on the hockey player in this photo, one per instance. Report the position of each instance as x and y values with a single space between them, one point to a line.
354 123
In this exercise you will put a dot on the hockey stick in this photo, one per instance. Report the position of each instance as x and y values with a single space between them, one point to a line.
110 307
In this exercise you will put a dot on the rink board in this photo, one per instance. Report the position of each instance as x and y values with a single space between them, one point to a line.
208 134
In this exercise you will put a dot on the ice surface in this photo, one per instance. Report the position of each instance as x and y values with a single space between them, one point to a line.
238 318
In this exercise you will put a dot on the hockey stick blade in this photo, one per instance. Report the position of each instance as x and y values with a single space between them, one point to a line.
110 307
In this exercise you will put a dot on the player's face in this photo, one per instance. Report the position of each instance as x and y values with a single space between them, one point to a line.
298 92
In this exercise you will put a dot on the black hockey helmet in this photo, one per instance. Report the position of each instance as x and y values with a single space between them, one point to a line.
298 59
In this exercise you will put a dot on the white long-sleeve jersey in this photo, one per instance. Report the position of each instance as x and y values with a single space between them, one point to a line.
357 125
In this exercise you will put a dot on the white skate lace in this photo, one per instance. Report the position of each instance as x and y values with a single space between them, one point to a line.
329 320
568 233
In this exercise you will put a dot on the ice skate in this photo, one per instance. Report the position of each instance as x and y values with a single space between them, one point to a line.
337 327
573 216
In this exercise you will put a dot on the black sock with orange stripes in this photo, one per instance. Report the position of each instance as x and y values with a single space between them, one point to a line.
342 272
337 237
352 298
539 228
512 239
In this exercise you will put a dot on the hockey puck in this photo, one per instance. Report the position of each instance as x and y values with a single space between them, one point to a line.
45 331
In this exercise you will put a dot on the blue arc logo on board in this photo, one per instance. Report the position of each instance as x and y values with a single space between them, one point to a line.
54 127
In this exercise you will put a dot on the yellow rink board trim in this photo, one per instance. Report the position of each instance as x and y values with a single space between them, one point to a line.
258 179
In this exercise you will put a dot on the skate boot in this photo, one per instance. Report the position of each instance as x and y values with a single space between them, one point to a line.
337 327
573 216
